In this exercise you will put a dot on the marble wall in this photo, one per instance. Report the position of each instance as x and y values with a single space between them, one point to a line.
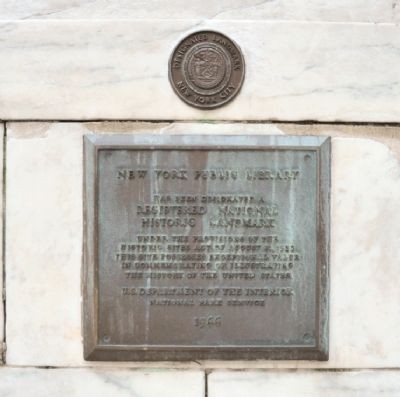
43 243
83 382
314 67
305 384
2 268
118 69
307 10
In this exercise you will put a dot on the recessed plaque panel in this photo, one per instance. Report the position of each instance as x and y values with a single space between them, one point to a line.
206 247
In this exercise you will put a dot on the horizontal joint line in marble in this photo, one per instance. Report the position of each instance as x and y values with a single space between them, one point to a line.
196 21
211 122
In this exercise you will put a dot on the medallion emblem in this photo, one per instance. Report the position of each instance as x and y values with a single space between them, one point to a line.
206 69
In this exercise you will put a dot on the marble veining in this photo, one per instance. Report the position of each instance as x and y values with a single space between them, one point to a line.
74 70
305 384
79 382
44 186
309 10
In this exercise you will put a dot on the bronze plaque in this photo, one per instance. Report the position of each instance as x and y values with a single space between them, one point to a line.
206 247
206 69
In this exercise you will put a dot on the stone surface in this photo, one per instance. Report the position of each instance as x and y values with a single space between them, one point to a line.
305 384
326 10
118 69
396 11
44 241
17 382
2 319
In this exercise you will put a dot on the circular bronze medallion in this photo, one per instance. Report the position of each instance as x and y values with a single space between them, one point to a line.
206 69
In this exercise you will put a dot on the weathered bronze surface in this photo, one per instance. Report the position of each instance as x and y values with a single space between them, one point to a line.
206 247
206 69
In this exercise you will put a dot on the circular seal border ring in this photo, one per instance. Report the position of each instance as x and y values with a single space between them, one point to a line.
186 94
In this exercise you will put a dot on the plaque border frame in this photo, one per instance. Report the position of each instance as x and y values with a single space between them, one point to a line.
94 351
